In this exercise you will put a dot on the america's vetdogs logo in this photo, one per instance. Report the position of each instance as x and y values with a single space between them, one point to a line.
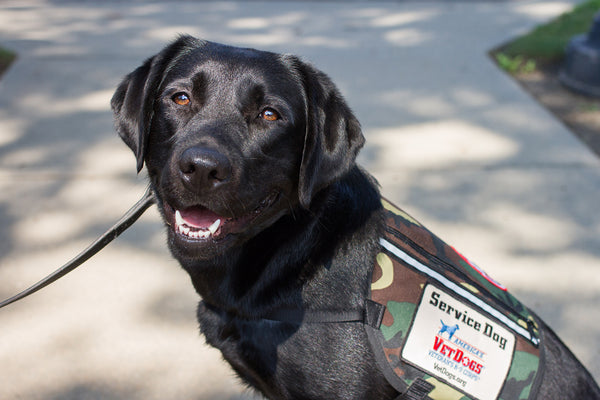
455 343
453 351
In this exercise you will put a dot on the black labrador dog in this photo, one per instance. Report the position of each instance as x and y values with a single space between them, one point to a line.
251 157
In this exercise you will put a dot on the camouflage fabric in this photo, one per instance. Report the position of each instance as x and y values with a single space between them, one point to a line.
399 283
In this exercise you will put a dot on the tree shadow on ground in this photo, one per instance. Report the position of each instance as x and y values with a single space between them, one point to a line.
64 134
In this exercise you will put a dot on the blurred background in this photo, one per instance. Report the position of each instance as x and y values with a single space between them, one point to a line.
452 138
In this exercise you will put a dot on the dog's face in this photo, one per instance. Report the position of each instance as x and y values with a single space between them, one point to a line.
233 139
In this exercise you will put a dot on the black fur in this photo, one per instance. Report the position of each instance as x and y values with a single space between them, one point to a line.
302 221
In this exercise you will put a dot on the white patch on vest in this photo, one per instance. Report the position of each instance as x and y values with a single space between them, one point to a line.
453 342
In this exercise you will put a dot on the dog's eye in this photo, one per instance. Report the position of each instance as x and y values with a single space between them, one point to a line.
181 99
268 114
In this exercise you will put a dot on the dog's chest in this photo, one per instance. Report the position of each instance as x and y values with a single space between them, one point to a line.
290 361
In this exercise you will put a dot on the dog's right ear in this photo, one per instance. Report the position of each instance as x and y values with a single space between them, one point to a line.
133 101
333 135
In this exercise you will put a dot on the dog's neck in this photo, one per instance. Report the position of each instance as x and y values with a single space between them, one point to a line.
292 263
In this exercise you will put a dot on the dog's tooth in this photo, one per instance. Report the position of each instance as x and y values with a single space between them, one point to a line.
213 228
178 218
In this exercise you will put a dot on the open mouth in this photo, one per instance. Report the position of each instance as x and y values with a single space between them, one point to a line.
198 223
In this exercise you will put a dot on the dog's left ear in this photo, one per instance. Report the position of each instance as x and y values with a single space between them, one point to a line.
333 135
133 101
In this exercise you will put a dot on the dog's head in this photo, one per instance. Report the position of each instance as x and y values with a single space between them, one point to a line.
232 138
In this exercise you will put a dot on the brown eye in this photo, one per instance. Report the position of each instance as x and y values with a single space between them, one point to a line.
269 114
181 99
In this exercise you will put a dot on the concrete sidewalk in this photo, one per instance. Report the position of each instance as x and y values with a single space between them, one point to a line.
452 140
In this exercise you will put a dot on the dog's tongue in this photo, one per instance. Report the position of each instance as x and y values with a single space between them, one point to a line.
199 217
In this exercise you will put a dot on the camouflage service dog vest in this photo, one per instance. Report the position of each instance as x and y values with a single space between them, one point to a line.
445 330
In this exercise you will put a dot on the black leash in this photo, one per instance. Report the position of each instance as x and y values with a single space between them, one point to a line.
125 222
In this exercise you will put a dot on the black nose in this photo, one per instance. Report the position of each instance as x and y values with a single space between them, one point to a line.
204 168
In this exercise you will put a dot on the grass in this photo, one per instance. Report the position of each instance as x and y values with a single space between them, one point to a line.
6 58
546 44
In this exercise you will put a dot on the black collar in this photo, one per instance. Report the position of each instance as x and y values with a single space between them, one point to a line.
371 314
